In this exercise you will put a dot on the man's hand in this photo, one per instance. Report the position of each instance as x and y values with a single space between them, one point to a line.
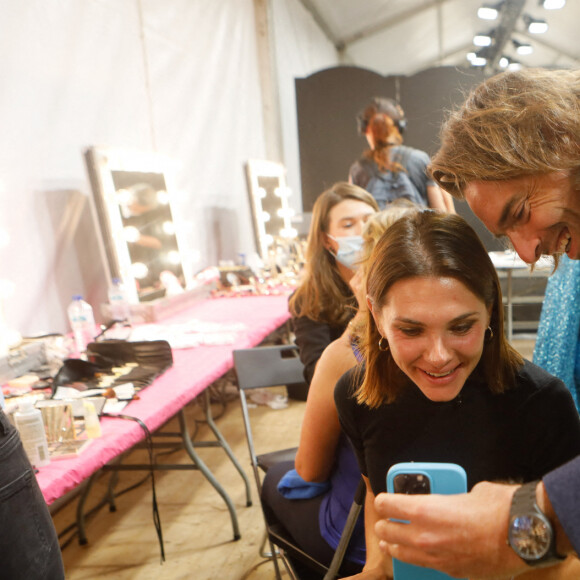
462 535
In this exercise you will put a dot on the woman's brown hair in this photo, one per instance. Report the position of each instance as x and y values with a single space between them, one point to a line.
382 118
430 244
323 295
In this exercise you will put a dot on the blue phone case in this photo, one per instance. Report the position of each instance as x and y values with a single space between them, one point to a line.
445 478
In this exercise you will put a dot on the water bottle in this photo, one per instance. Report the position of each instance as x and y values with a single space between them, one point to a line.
28 421
82 323
119 303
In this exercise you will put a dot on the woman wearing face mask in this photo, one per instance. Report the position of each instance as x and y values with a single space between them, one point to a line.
324 303
440 383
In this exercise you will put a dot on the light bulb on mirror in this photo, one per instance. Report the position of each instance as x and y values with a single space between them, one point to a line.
131 234
162 197
139 270
168 228
173 257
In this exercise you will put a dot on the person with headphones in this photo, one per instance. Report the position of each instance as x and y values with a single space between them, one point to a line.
389 169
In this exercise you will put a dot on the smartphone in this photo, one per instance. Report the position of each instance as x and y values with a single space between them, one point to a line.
424 478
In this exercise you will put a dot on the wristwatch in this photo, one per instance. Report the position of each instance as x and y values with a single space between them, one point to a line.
530 533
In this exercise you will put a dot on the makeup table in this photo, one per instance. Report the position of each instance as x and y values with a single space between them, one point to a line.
250 319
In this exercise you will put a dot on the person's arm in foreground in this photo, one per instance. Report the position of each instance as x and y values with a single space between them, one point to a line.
436 198
463 535
449 203
439 199
320 427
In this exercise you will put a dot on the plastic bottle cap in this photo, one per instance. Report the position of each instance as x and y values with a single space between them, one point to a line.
26 406
77 297
116 280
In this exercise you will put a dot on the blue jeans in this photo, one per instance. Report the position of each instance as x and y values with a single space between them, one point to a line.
29 548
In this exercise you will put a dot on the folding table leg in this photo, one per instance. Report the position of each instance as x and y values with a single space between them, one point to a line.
208 474
81 507
224 445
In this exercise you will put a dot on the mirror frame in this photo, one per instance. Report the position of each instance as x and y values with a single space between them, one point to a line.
277 199
101 163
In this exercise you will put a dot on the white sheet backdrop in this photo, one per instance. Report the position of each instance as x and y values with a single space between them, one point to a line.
175 76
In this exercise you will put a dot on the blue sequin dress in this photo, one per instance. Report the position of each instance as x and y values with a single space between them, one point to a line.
557 347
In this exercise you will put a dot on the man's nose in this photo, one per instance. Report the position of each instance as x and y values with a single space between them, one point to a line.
526 244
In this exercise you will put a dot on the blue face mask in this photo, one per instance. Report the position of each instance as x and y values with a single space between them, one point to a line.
349 250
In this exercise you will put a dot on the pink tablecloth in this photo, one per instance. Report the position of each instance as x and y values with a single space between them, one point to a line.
193 370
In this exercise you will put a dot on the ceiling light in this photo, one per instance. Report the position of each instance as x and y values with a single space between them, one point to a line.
504 61
523 48
477 58
535 25
488 11
514 65
553 4
482 39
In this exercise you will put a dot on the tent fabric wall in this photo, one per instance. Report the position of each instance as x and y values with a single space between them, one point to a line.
175 76
301 49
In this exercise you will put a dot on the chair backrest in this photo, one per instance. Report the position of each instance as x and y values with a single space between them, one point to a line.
268 366
262 367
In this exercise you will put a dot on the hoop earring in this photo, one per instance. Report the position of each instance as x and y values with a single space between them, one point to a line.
490 332
383 344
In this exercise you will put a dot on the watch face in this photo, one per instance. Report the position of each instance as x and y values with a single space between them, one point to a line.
530 536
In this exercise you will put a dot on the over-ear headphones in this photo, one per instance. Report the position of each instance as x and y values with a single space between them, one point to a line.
389 107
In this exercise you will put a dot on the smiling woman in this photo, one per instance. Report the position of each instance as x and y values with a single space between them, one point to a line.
440 383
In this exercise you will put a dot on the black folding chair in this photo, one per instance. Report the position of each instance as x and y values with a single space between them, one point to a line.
272 366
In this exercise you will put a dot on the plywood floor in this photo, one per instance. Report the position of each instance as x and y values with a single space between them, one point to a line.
196 525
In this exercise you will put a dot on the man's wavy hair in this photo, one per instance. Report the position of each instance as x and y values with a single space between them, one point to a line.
512 125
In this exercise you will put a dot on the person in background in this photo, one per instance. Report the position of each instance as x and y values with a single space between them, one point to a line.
29 545
390 169
440 382
323 304
512 151
325 466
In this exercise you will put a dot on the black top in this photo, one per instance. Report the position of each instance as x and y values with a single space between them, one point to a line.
312 338
520 435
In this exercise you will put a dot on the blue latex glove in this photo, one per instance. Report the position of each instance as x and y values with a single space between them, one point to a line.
292 486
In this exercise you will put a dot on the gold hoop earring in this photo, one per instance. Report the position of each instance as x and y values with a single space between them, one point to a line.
490 332
383 344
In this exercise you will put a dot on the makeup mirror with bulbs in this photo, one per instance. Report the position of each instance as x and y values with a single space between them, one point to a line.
271 213
139 235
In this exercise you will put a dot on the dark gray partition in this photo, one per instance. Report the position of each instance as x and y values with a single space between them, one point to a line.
328 102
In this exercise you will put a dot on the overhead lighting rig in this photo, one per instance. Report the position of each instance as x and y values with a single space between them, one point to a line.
553 4
489 11
507 13
523 48
483 39
535 25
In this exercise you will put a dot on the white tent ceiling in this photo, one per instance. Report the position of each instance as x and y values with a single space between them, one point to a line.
406 36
